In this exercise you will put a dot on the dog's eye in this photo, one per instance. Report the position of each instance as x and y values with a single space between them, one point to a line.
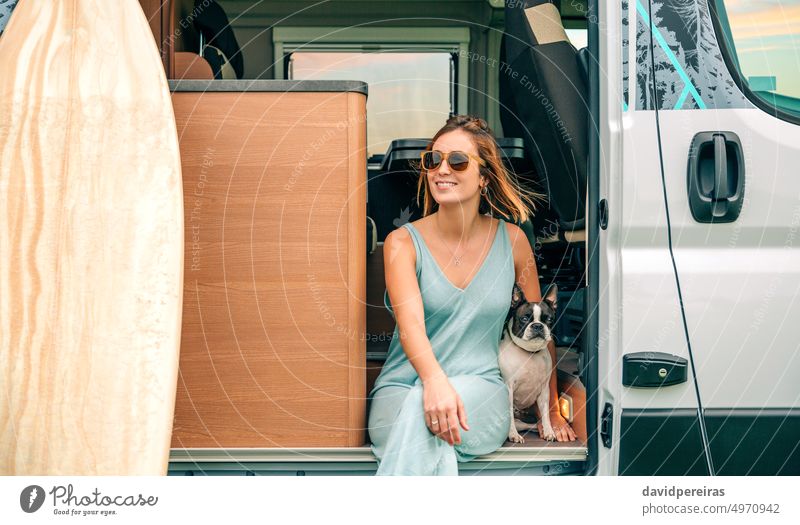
525 318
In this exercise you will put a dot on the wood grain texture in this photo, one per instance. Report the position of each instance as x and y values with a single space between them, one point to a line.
273 351
157 14
91 242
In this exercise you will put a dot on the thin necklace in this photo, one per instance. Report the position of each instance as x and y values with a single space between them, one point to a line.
456 258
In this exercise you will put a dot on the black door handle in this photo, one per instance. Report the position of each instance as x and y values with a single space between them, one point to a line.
715 176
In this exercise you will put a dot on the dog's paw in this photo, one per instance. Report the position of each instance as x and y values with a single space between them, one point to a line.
515 437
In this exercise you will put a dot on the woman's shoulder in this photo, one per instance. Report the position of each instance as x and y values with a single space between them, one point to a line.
421 223
399 242
519 241
399 235
515 232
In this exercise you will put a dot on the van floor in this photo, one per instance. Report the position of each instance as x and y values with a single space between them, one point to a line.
532 440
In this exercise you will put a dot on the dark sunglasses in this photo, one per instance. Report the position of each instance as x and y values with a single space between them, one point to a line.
457 160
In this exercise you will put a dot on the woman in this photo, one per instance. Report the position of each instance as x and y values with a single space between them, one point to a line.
439 398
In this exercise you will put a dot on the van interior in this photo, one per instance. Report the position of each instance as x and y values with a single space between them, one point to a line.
290 113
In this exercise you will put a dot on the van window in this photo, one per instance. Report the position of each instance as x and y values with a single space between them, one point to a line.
762 41
410 93
578 37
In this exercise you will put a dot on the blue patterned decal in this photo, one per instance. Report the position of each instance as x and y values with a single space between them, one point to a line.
625 74
689 70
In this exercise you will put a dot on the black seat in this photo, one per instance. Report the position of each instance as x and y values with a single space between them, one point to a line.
544 100
393 189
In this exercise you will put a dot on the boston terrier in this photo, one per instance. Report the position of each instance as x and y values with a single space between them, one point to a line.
524 361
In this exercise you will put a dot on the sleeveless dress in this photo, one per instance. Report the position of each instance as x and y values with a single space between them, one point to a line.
464 327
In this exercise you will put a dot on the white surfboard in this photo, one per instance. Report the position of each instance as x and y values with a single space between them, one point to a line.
91 242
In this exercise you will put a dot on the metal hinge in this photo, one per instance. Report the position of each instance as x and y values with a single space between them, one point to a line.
607 425
602 213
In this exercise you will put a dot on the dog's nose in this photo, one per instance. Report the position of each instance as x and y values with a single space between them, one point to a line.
537 328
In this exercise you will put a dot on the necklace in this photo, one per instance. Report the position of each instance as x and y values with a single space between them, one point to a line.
456 258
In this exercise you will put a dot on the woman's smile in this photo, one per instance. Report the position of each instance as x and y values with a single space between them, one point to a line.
445 184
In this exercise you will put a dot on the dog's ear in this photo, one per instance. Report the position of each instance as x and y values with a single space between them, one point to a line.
551 295
517 297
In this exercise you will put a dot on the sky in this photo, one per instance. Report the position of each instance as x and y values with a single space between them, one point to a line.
767 38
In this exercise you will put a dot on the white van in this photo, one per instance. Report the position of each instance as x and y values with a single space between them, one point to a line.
665 134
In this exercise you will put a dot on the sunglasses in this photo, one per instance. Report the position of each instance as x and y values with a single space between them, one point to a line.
457 160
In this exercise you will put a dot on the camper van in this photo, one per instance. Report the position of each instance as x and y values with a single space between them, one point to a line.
665 135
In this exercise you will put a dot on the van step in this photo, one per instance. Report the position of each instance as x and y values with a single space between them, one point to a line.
534 453
553 452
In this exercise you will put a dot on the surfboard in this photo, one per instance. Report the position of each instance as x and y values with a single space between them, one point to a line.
91 242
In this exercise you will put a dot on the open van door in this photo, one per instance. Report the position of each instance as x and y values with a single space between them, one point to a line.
720 79
647 424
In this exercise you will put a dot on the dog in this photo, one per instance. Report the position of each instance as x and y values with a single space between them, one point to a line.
525 363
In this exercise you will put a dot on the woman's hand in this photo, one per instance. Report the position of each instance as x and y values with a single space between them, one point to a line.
444 410
561 427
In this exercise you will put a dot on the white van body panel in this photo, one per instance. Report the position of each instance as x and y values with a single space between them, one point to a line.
740 281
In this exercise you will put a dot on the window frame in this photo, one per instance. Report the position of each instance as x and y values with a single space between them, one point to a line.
727 49
286 40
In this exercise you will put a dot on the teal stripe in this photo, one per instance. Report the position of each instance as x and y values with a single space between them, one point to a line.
671 56
682 98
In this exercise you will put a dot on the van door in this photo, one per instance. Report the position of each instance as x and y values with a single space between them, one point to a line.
648 424
726 95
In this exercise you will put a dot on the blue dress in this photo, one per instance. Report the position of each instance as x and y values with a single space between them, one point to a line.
464 327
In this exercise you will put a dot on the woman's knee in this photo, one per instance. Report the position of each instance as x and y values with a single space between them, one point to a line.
479 392
390 404
488 414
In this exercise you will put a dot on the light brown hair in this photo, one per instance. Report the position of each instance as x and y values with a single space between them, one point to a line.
505 196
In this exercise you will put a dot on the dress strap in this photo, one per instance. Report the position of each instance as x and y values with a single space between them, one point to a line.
418 243
418 264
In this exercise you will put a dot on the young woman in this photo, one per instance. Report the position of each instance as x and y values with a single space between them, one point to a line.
440 398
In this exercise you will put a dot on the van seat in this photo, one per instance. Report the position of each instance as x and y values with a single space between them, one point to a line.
550 109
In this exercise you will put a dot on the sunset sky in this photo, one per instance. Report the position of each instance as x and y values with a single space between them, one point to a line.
767 37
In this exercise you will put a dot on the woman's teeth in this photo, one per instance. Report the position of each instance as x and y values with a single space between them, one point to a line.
445 184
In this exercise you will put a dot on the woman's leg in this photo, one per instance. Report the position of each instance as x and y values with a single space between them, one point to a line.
488 416
403 443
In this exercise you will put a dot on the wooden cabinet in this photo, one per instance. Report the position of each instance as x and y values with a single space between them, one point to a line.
273 349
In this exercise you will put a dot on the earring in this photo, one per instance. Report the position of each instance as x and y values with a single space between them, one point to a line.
485 190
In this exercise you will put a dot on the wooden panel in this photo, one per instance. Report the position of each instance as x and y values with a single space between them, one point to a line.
156 13
91 243
273 350
191 66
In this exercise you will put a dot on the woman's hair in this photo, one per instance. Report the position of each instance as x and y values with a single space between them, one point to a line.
505 196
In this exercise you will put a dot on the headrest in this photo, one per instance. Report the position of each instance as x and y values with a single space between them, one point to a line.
544 99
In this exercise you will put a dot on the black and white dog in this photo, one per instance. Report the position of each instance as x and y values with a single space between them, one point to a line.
524 361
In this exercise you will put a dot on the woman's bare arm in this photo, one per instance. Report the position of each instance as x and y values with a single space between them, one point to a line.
524 263
399 260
